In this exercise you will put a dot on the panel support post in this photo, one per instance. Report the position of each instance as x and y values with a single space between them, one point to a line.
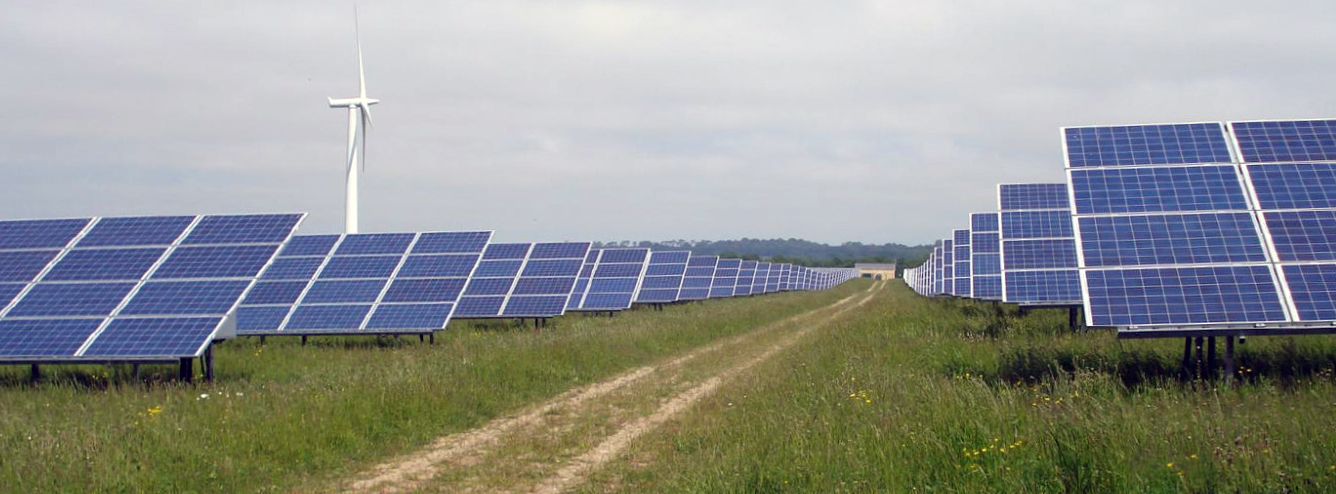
1229 359
1187 358
208 364
431 338
1197 359
1210 356
303 340
36 372
261 340
422 338
134 368
1073 319
187 373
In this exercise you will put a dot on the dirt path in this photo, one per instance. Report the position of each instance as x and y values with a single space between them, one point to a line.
554 446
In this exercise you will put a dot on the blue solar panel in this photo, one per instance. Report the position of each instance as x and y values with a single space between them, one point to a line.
243 229
153 337
231 261
309 245
1170 239
340 267
1272 141
23 265
375 243
186 297
1158 189
746 274
699 277
39 234
986 243
1146 145
1303 235
438 266
1020 197
489 286
577 294
554 267
344 291
663 279
616 277
100 279
1177 296
71 299
275 292
960 237
451 242
293 268
506 251
376 274
983 222
535 306
1294 185
1036 224
8 291
1043 287
103 264
1040 254
262 318
1313 288
479 306
494 269
44 338
424 290
328 317
549 286
986 264
987 287
410 316
141 231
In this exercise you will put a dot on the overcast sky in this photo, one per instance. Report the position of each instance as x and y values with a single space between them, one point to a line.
871 121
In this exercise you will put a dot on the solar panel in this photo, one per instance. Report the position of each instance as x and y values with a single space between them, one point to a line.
960 240
1172 244
746 275
773 281
699 277
1038 260
663 277
582 281
1281 141
615 279
1025 197
137 289
523 280
368 283
725 278
759 278
985 256
1128 145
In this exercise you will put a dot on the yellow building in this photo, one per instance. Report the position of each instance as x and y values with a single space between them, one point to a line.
876 271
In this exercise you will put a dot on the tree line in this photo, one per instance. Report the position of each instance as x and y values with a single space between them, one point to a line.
792 250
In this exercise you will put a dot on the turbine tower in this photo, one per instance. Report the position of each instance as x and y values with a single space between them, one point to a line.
359 120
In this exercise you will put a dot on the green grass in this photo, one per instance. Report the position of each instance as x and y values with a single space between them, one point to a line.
282 417
920 395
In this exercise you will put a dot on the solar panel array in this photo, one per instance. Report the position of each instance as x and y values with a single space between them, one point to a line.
374 283
156 288
614 280
699 277
664 276
521 280
1172 228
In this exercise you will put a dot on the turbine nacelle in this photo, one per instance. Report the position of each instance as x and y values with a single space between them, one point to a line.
351 102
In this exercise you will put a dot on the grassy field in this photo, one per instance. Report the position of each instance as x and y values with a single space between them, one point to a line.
281 416
919 395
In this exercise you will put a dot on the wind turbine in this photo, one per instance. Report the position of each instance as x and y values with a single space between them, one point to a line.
359 120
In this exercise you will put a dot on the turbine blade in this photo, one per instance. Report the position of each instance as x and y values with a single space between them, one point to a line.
361 73
366 114
366 125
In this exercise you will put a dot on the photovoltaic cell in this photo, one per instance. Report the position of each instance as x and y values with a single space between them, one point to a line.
983 222
986 264
1171 239
136 232
155 336
1158 189
725 277
1042 287
987 287
1313 287
1275 141
545 293
1036 224
1040 254
699 277
1179 296
1146 145
615 280
1303 235
1294 185
39 234
24 265
986 243
1019 197
243 229
663 277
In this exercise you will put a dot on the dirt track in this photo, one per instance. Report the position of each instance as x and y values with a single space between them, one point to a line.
554 446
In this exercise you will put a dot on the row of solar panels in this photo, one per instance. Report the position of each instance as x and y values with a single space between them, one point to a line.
1165 229
163 288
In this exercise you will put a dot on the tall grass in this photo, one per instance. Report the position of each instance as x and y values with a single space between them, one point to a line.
919 395
282 415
